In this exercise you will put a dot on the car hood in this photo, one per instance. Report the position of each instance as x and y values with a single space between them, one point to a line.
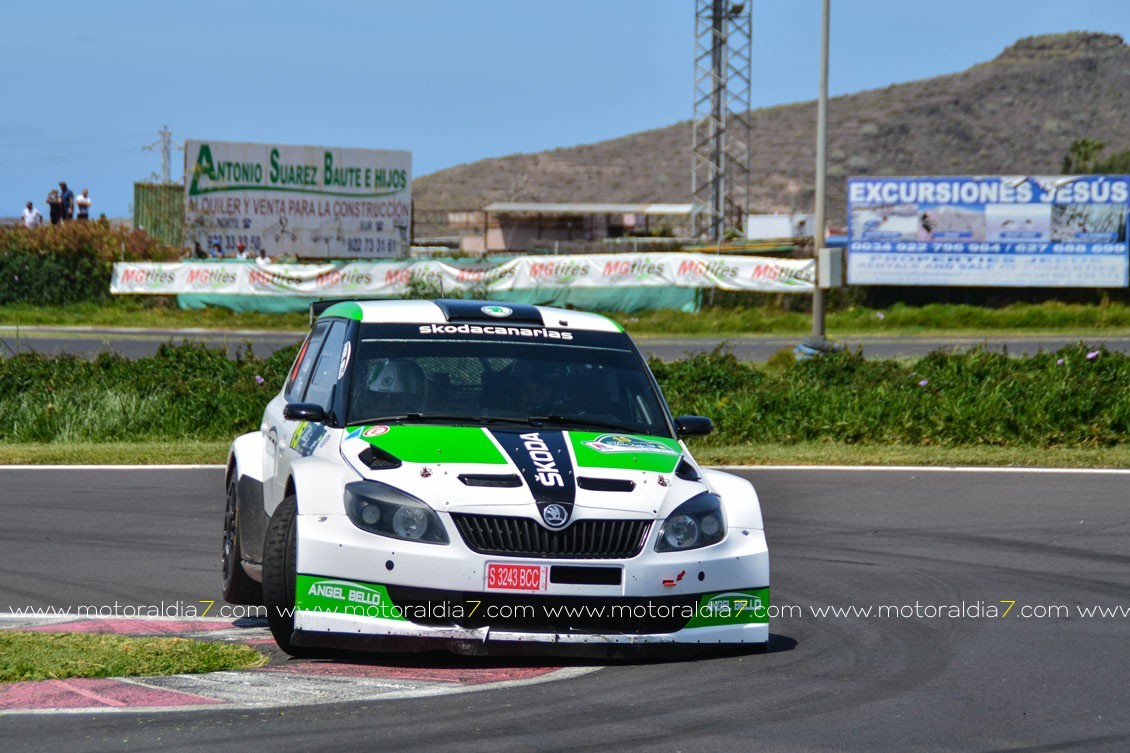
522 471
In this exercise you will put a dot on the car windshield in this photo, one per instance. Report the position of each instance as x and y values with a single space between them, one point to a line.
597 384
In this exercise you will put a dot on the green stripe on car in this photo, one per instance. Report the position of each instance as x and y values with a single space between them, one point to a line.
344 597
345 309
737 607
438 444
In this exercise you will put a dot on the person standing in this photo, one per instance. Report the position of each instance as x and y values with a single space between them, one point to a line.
82 203
67 197
55 207
32 217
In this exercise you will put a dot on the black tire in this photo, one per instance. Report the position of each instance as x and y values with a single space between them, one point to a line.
237 585
280 551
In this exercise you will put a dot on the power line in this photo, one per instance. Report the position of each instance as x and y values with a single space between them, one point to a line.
67 142
64 159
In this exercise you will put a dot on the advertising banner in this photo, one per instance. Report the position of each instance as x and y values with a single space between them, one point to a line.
305 201
394 279
1023 231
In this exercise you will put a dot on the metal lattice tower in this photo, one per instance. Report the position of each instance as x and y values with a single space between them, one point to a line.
721 131
166 144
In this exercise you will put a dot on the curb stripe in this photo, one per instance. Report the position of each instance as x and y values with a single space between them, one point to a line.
928 469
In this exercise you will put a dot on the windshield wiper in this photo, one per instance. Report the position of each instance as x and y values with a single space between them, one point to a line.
581 421
421 418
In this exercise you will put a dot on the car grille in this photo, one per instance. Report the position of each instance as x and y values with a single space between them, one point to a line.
525 537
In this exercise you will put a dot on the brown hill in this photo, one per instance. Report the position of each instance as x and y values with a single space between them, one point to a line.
1016 114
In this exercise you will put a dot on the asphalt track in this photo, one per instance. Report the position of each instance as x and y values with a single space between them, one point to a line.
928 681
137 343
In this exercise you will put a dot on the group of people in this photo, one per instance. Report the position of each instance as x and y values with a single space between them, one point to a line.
63 206
217 252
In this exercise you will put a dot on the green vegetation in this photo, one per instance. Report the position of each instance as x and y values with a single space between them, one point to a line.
154 452
54 656
146 312
772 453
898 320
186 403
186 392
1073 398
64 264
760 318
838 453
1083 157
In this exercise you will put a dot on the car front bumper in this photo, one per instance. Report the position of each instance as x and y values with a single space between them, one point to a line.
359 590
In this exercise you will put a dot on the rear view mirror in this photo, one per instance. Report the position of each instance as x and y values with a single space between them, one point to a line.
693 426
310 412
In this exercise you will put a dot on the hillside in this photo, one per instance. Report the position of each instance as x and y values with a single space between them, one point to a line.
1016 114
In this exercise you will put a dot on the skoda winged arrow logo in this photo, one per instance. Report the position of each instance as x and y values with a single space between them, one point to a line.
554 515
497 311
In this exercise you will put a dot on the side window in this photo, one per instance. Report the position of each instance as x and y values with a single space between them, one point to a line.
304 364
326 368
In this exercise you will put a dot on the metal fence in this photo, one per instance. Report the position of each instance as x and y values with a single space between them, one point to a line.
158 209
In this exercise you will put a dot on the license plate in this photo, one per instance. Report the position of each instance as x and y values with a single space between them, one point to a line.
505 577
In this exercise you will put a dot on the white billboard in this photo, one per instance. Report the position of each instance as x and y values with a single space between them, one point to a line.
1037 231
304 201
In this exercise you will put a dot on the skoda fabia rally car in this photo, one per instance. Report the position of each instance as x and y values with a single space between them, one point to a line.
485 477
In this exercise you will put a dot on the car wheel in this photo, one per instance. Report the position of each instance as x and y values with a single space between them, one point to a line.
238 587
279 556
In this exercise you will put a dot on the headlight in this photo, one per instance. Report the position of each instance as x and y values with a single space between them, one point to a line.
383 509
695 523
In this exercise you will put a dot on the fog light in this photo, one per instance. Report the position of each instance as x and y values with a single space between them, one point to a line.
371 514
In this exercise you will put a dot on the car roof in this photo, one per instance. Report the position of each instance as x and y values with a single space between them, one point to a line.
445 311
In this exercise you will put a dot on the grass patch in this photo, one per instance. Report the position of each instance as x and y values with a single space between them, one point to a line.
151 312
181 452
158 312
798 453
833 453
898 320
53 656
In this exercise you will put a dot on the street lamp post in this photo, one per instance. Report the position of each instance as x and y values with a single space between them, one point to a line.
818 343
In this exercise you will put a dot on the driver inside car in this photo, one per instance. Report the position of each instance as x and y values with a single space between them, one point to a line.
538 387
395 386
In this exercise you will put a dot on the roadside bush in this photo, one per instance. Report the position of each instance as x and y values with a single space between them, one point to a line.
1076 397
62 264
183 392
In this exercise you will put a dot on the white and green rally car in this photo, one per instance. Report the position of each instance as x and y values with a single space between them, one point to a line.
485 477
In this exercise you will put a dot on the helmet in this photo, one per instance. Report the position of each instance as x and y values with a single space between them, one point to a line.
537 385
397 375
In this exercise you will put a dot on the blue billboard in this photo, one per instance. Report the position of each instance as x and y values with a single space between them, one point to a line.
1022 231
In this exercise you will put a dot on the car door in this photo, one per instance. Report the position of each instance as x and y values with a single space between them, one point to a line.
276 429
315 384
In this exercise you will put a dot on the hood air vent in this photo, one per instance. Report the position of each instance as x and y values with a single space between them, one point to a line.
497 480
377 459
605 484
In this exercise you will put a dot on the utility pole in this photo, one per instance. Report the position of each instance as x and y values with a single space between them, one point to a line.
166 144
818 340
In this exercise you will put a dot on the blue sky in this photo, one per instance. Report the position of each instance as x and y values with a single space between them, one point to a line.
453 81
